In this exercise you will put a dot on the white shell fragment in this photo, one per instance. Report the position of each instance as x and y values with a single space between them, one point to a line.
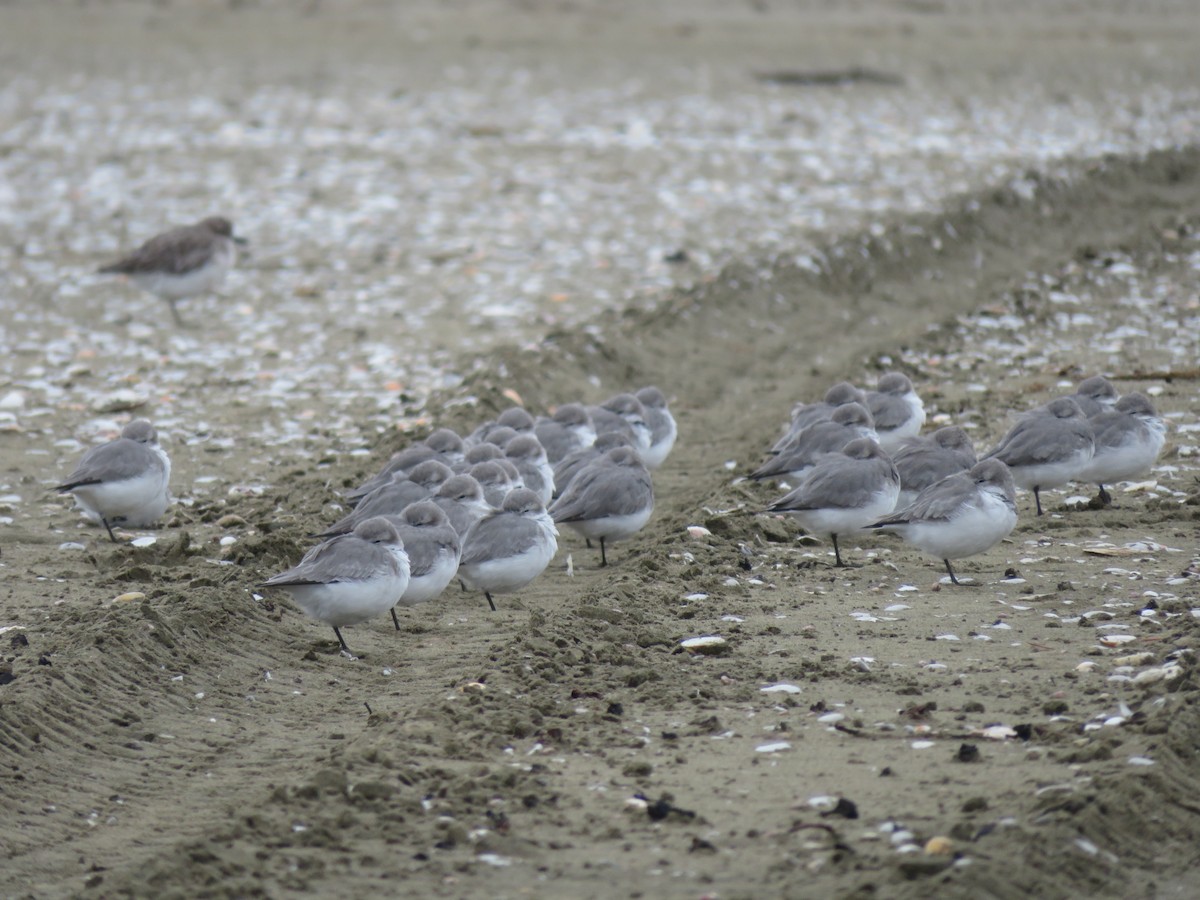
781 688
709 644
774 747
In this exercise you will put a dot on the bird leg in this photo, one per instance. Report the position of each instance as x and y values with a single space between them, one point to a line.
104 521
175 314
395 621
837 554
1104 496
953 580
1037 499
342 641
603 558
491 603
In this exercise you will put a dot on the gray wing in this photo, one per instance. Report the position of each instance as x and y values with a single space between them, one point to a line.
603 491
837 484
556 439
345 558
424 545
1042 440
1114 429
388 500
924 466
499 536
114 461
937 503
175 252
888 411
605 420
812 443
570 466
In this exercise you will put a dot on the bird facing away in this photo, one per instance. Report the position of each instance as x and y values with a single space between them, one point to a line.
392 497
492 479
461 499
527 454
1095 395
447 445
961 515
570 466
921 461
1047 448
844 492
805 414
350 578
400 463
848 422
123 482
567 430
610 499
509 547
1128 440
182 262
516 418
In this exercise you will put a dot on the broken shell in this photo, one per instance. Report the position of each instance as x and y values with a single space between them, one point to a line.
1116 640
119 401
698 531
781 688
1159 673
997 732
939 846
1134 659
129 597
708 644
774 747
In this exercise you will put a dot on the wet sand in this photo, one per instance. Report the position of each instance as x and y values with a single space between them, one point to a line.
195 740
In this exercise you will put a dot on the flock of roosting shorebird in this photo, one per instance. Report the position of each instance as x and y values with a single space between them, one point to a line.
484 508
862 464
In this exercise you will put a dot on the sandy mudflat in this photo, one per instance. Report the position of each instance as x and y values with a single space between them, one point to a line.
449 205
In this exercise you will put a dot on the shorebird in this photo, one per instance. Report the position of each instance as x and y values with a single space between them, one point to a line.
1128 441
921 461
610 499
663 429
961 515
182 262
508 548
433 549
844 492
896 409
626 414
848 422
567 430
1047 448
805 414
351 578
122 482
